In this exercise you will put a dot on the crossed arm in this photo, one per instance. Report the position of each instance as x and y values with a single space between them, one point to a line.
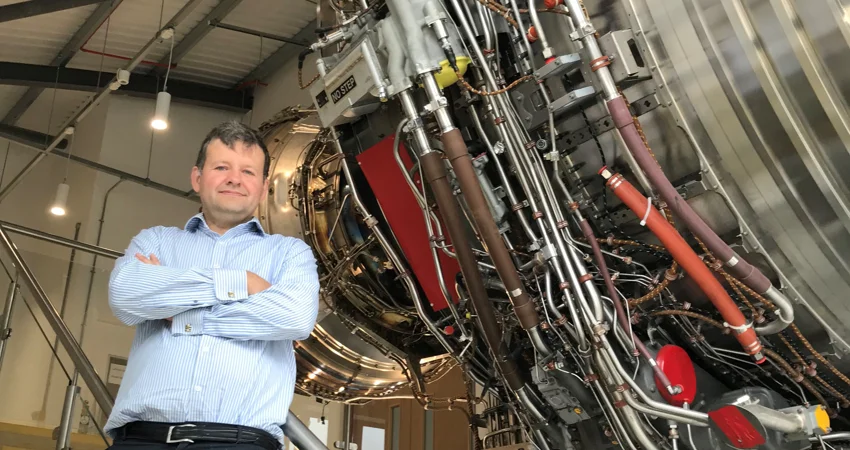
228 303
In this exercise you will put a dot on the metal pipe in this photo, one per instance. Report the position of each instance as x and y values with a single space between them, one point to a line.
398 263
837 436
262 34
656 406
59 240
550 300
509 190
586 32
81 361
5 330
435 95
538 27
346 426
62 308
300 435
64 436
437 177
68 126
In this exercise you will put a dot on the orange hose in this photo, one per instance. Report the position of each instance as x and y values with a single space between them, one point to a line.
688 260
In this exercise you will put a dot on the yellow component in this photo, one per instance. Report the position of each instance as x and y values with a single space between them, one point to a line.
446 76
822 418
578 411
468 315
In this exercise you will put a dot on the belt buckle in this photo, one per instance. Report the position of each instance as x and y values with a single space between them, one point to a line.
169 440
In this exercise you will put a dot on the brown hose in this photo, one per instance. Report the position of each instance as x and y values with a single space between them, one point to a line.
458 155
622 318
742 270
437 177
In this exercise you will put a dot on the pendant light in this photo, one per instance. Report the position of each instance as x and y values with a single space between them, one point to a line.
163 98
60 201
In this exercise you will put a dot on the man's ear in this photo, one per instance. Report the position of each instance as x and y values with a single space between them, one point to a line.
195 177
265 189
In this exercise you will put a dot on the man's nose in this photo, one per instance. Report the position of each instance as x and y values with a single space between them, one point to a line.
234 177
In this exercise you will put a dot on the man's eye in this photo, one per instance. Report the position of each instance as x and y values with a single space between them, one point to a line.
220 168
248 172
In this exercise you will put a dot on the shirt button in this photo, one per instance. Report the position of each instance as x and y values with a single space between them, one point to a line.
188 328
198 388
231 294
216 266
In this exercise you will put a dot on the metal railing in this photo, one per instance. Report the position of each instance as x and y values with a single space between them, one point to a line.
294 429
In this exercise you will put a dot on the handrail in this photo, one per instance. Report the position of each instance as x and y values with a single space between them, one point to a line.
294 429
81 361
59 240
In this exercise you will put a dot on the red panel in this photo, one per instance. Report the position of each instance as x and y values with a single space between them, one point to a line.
406 219
676 364
736 427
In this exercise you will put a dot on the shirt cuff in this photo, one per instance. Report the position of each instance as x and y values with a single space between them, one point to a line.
230 284
189 323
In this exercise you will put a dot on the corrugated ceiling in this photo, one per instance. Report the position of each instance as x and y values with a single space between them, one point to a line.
223 58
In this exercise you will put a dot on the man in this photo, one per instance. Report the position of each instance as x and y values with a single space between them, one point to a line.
217 306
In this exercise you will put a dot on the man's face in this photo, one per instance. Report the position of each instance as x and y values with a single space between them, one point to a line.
231 183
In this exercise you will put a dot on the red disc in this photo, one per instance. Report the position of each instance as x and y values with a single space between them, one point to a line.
676 364
449 330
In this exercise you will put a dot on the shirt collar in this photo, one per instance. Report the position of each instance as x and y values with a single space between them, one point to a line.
197 222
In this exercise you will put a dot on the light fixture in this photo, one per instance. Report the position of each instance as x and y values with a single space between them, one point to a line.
163 98
160 117
60 202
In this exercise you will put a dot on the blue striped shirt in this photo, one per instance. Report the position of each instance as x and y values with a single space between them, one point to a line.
226 357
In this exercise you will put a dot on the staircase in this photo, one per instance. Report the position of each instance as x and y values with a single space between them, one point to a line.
21 437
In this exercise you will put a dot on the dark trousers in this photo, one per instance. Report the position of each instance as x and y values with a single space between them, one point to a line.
135 444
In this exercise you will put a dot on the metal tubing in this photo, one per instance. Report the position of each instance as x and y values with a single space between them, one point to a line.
64 437
62 308
96 99
476 120
346 426
5 331
262 34
538 27
423 205
655 405
300 435
437 177
435 95
79 358
59 240
585 29
398 263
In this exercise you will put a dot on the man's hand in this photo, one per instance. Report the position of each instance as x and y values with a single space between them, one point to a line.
154 261
256 283
151 259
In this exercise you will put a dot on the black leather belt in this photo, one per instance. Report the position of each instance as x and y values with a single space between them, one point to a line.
170 433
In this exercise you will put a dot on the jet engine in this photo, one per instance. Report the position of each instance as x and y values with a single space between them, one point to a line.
624 221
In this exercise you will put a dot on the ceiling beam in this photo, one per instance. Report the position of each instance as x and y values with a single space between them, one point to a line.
33 8
286 53
145 86
100 14
191 39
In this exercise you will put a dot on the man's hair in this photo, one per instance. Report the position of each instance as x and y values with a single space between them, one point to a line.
229 133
